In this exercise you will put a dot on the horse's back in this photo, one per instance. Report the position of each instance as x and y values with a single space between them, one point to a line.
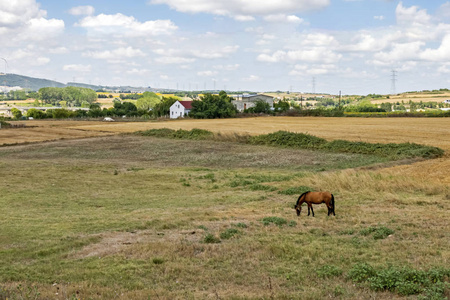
319 197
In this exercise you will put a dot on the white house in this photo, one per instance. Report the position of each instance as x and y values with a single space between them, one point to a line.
180 109
243 102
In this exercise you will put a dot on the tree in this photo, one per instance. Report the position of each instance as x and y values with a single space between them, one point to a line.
260 107
74 96
36 113
17 114
281 106
213 106
147 101
125 109
163 108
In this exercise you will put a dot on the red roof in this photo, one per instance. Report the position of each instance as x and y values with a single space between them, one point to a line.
186 104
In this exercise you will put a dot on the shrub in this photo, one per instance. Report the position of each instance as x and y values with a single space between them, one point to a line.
194 134
404 281
288 139
361 272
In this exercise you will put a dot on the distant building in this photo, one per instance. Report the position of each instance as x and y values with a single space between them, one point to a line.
243 102
180 109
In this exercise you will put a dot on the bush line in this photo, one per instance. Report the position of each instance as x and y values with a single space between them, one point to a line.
305 141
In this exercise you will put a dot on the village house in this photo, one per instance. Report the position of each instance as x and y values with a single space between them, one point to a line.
180 109
244 102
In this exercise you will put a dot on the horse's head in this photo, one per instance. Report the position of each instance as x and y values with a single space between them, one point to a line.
298 209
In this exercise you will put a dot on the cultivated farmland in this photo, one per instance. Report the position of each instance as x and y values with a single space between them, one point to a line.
119 216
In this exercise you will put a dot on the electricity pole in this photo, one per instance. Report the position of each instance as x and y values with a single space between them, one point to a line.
393 80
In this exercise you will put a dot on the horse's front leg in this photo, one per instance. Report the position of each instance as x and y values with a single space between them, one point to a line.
312 210
309 207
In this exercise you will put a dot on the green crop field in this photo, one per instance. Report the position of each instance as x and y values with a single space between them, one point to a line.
138 217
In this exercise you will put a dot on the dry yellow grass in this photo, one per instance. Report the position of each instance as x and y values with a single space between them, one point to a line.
427 131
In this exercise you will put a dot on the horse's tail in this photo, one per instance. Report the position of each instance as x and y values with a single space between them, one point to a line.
332 202
298 200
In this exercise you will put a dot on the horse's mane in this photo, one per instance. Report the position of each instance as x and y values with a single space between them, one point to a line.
298 200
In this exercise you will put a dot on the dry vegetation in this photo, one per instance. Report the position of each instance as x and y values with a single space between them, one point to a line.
126 217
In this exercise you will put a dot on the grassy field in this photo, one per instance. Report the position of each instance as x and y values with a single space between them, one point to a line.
131 217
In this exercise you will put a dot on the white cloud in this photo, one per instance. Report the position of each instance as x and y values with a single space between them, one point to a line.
441 54
251 78
301 70
116 54
380 18
324 55
243 18
120 24
77 68
218 53
19 12
411 15
23 20
401 52
136 71
174 60
231 67
282 18
244 7
207 73
58 50
82 10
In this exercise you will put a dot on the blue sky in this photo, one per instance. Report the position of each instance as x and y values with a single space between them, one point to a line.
261 45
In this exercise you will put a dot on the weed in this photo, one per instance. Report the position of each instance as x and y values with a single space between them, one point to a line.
379 233
203 227
361 272
241 225
347 231
229 233
211 239
157 261
404 281
275 220
328 271
261 187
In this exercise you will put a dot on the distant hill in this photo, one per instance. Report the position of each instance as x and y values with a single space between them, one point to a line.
26 82
34 84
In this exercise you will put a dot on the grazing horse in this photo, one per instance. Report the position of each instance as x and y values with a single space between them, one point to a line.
315 198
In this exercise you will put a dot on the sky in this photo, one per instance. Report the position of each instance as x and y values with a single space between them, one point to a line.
323 46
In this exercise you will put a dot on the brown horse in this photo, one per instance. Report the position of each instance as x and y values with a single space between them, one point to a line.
315 198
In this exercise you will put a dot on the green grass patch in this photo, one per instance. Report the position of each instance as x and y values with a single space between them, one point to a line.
229 233
295 190
328 271
404 281
288 139
211 239
194 134
274 220
378 233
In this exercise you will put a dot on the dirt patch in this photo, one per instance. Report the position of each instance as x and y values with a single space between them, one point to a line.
115 242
